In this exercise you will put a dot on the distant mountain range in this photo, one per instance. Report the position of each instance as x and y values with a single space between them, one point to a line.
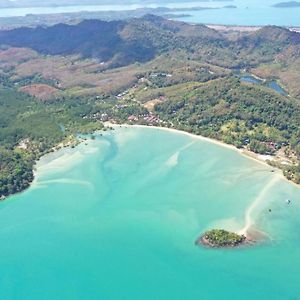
287 4
38 3
138 40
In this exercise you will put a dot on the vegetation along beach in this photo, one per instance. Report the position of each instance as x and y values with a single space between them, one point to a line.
149 150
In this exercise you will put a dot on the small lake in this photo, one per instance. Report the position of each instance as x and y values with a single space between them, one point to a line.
270 84
276 87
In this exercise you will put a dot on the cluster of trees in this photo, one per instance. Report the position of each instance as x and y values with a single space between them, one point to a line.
236 113
224 109
16 171
21 117
41 126
223 238
293 173
260 147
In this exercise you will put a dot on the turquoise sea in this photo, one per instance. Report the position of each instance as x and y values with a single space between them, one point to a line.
247 12
117 219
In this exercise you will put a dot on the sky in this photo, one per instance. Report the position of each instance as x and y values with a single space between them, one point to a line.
87 2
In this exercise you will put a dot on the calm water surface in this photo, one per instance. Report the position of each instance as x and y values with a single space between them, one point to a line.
117 219
272 84
248 12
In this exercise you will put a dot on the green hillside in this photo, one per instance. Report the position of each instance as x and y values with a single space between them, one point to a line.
58 81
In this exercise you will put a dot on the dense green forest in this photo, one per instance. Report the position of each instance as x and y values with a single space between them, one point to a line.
30 129
221 238
53 87
237 113
16 171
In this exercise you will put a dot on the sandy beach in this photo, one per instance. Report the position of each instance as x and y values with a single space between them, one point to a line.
244 152
249 225
262 159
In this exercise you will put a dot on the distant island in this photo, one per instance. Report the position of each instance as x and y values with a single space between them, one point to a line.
287 4
49 19
219 238
230 6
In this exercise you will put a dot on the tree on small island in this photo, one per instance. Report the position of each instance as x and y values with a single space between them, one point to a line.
221 238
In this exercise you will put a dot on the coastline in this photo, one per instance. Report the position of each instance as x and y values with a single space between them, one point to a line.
199 137
50 17
252 235
54 151
246 153
247 230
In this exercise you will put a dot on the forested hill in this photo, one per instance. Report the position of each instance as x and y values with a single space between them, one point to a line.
137 40
60 80
140 40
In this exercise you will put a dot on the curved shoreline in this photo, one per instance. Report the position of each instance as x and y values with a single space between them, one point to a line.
249 222
251 155
246 153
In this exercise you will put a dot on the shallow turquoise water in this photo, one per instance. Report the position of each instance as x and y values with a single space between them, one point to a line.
248 13
117 219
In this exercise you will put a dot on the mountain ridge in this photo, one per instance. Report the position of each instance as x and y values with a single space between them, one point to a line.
141 39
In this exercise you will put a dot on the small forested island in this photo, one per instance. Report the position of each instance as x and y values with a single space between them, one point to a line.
219 238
